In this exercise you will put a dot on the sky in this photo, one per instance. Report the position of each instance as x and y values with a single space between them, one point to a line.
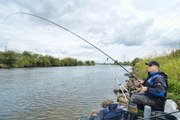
123 29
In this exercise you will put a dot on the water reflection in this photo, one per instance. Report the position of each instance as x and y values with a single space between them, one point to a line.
58 93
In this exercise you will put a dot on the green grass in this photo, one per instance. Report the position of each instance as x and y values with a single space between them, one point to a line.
170 64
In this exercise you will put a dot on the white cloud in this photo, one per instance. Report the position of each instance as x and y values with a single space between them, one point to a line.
124 29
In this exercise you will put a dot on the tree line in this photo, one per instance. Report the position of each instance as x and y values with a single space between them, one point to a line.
132 63
29 59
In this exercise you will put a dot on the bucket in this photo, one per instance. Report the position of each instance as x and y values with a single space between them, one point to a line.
133 111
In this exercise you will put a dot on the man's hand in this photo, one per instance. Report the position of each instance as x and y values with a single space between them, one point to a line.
141 81
143 89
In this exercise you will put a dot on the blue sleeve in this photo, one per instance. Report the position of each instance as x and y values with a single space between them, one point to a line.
159 87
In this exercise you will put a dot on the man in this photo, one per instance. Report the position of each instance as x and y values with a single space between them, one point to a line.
154 89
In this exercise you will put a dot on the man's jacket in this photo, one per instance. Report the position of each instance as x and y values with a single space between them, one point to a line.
157 85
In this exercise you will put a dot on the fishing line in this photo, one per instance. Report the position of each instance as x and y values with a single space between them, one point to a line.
119 84
73 34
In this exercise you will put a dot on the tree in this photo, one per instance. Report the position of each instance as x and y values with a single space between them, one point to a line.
44 61
87 62
136 60
69 62
92 62
9 58
54 61
27 54
22 62
116 62
80 63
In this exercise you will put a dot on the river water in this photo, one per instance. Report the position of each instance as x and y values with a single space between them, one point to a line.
56 93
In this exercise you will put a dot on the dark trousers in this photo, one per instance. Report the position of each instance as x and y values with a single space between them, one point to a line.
142 99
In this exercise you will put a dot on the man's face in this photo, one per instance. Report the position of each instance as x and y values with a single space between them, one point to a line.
152 68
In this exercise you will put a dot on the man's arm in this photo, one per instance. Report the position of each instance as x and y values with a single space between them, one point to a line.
141 81
143 89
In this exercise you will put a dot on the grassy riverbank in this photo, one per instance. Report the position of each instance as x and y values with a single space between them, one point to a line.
170 64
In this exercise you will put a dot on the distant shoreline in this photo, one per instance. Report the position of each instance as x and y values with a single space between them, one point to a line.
12 59
7 67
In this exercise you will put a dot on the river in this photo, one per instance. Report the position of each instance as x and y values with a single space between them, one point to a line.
56 93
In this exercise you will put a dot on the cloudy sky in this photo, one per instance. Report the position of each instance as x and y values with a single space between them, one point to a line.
124 29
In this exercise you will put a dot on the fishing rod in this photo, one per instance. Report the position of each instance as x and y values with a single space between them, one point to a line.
60 26
120 85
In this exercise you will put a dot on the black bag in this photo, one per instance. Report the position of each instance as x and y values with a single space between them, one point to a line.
162 116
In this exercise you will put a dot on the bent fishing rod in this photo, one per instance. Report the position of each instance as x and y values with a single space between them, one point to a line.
60 26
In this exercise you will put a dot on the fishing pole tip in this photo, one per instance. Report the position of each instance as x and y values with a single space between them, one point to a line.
9 15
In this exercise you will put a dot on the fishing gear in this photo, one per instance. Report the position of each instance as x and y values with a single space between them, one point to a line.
156 116
122 88
73 34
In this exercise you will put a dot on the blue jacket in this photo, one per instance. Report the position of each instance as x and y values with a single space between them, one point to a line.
157 85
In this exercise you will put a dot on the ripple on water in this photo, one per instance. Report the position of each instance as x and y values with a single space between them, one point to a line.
60 93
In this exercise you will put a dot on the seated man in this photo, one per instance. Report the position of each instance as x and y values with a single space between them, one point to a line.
154 89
